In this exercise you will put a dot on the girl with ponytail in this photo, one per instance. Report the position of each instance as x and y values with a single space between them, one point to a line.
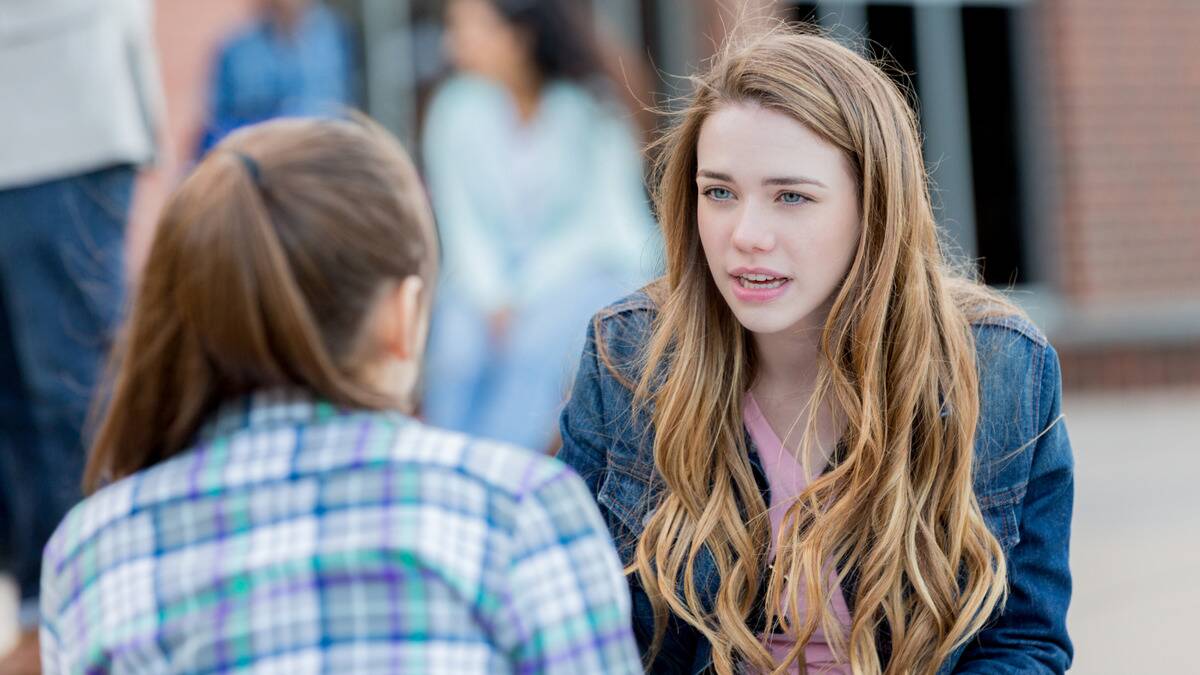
819 448
260 497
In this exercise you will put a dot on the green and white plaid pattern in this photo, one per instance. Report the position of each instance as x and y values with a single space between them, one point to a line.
299 538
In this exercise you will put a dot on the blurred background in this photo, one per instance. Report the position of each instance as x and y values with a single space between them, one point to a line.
1064 139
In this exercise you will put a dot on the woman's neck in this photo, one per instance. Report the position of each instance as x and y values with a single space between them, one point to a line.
787 363
788 360
526 92
286 24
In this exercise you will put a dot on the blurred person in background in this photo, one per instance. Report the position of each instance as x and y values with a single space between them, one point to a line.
81 109
261 500
293 61
537 184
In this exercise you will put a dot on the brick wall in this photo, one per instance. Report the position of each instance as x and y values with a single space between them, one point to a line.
1132 366
1122 106
1125 115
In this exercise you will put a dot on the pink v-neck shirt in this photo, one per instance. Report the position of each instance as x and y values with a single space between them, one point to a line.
787 479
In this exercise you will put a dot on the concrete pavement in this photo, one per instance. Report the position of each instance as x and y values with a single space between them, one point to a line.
1135 549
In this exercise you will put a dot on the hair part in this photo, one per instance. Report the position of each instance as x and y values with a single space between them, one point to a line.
896 352
264 266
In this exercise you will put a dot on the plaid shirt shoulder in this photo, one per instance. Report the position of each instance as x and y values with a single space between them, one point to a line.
298 538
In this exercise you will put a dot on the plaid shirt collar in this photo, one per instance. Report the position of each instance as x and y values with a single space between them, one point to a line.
271 406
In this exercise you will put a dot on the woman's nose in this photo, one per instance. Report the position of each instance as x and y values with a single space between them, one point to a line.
752 233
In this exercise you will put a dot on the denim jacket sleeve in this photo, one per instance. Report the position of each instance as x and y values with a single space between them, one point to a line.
583 448
1030 634
590 427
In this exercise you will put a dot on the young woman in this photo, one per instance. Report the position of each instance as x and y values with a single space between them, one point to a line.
819 449
266 504
537 184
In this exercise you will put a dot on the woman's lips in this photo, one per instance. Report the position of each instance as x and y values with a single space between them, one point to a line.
758 287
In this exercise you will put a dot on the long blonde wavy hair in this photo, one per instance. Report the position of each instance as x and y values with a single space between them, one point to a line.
897 360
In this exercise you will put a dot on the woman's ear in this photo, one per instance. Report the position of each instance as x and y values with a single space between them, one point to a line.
399 326
404 322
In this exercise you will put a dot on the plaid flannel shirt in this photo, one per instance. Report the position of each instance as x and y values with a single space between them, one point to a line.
300 538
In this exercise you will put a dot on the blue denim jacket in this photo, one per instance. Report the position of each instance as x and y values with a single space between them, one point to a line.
1023 480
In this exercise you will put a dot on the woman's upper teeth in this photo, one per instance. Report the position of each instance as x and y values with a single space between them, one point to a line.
758 277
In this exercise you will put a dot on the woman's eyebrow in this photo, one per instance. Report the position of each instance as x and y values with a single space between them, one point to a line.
715 175
794 180
777 181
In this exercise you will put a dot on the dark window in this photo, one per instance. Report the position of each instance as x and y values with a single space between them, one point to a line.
995 147
892 41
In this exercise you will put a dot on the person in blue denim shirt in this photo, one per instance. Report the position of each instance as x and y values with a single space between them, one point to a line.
294 61
817 446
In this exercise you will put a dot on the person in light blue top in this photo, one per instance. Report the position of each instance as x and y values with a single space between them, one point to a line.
294 61
536 180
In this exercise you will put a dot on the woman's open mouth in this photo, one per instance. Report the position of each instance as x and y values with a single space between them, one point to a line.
758 286
760 281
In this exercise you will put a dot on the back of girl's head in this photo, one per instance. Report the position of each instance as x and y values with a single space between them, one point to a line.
265 264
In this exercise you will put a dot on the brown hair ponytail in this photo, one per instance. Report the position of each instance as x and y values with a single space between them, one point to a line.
264 265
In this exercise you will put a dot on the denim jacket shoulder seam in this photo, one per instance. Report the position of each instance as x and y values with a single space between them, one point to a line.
632 303
1037 393
1016 324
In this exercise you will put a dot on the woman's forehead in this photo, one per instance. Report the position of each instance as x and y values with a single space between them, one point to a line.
749 142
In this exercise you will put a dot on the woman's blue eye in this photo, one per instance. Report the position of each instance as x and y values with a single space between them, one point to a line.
719 193
792 198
